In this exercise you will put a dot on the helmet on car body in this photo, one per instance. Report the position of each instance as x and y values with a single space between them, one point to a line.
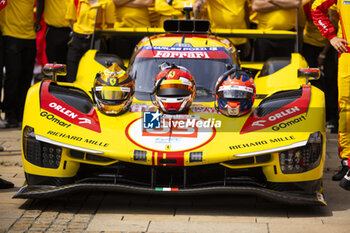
174 89
235 93
113 90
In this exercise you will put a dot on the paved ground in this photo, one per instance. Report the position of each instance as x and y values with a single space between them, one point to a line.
112 212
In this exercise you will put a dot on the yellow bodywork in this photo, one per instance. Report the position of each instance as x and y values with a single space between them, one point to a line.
118 138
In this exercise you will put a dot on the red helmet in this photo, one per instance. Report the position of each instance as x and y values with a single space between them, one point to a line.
174 89
235 93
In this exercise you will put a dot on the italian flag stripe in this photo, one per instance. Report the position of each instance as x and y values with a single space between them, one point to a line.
166 189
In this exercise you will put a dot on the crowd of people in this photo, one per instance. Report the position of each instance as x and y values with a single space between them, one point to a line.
70 25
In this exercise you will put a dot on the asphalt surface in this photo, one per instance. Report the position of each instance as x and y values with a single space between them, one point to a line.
115 212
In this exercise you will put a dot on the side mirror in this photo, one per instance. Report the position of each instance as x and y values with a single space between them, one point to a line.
54 69
309 73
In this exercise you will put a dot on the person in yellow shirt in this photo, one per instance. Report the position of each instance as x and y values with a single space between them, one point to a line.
130 13
274 15
170 9
173 9
57 33
229 14
17 26
84 16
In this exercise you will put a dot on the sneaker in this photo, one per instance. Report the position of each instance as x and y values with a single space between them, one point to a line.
4 184
345 181
341 173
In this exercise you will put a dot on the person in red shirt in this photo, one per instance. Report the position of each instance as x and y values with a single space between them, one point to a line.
318 52
339 42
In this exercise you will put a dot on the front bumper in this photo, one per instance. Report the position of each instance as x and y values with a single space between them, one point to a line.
196 180
52 191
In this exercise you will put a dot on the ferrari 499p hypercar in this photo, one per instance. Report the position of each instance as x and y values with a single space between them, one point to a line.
276 150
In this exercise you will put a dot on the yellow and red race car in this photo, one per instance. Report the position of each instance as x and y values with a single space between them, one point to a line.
276 151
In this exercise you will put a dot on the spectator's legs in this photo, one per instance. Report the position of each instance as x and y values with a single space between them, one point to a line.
331 88
28 61
19 63
2 47
76 49
56 44
13 64
2 54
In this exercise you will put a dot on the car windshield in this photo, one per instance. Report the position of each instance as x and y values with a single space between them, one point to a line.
205 72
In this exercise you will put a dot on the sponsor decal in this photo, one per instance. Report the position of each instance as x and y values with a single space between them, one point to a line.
195 108
278 115
183 52
346 2
166 54
322 25
171 74
167 140
77 138
287 124
112 81
142 107
63 110
147 47
295 108
59 108
179 139
52 118
198 109
234 111
260 143
84 121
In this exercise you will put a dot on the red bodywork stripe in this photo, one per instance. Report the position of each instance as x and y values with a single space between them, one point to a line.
179 156
59 108
255 123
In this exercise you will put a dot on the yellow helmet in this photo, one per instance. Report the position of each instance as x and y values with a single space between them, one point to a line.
113 90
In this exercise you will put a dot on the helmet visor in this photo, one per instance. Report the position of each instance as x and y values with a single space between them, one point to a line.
235 92
173 90
108 93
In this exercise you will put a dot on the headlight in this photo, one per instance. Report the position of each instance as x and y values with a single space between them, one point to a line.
304 158
40 153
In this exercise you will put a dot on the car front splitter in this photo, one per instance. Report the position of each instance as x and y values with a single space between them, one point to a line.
39 191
